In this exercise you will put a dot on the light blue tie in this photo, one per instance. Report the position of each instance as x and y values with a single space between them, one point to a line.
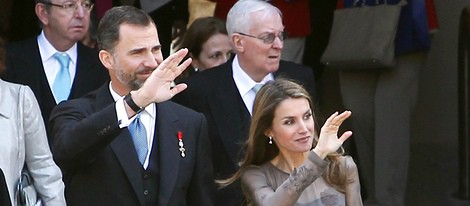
61 86
139 136
257 87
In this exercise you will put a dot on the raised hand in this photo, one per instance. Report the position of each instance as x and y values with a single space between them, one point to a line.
157 87
328 141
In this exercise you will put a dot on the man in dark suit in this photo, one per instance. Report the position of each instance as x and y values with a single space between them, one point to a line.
31 62
225 94
124 144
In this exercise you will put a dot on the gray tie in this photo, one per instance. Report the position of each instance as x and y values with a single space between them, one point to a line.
257 87
139 136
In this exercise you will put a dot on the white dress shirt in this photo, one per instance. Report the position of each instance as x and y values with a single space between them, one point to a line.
51 64
147 117
245 84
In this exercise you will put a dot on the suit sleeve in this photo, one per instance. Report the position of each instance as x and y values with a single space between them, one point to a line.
79 133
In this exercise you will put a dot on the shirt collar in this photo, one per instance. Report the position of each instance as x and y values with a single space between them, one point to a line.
47 50
242 80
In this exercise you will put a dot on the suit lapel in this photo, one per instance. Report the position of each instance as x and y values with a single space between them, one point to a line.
84 71
169 154
125 153
230 112
81 71
123 147
43 90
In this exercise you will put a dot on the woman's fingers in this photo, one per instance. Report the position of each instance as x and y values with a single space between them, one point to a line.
345 136
336 119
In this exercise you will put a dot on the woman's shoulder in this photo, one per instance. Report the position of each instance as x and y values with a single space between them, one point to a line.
349 162
350 166
13 88
4 85
13 92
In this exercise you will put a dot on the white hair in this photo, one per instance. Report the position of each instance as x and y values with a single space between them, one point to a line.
239 16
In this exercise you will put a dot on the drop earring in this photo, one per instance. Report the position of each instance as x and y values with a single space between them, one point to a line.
270 140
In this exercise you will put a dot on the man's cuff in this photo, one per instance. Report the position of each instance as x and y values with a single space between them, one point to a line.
121 112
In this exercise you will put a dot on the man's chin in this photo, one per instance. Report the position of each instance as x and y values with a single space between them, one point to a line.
78 36
135 85
273 68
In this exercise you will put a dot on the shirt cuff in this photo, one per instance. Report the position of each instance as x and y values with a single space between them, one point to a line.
121 113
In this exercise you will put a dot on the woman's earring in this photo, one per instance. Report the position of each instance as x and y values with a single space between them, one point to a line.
270 140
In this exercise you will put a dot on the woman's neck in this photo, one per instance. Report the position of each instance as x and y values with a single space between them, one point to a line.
288 161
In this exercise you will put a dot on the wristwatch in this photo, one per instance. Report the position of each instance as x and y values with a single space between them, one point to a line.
128 99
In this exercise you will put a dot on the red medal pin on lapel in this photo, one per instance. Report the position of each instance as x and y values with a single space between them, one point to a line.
181 144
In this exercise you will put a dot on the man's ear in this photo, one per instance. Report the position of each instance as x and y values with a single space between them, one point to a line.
106 59
237 43
42 13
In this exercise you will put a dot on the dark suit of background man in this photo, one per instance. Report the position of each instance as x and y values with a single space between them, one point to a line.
224 94
92 140
31 61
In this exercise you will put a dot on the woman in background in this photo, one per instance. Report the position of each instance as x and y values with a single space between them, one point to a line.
24 143
208 44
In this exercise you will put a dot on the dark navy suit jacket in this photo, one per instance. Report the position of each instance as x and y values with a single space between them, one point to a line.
100 163
24 66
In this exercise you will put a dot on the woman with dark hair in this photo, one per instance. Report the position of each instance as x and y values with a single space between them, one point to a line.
208 44
286 163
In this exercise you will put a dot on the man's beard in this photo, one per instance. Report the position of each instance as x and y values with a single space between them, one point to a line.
130 79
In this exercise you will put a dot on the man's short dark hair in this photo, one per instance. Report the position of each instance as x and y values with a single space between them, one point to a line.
108 28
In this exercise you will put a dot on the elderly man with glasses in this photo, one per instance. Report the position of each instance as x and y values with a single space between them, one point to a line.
226 93
55 64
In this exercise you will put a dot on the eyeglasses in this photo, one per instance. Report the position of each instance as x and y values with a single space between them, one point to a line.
71 6
268 38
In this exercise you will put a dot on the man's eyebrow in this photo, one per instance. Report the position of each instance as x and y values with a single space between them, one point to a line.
136 51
